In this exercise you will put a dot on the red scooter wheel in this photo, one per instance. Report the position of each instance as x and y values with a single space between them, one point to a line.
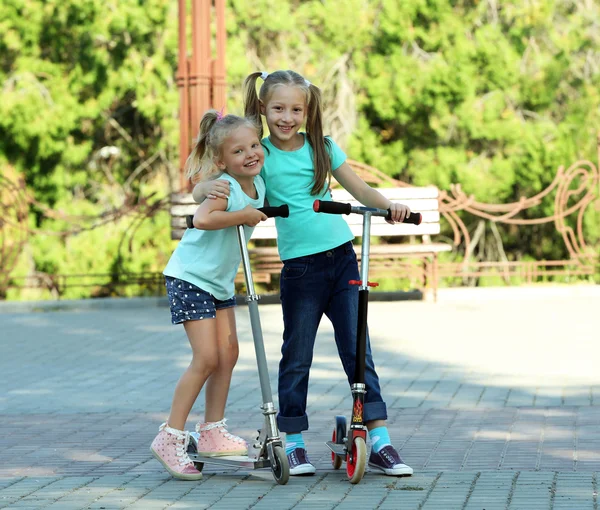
356 462
338 437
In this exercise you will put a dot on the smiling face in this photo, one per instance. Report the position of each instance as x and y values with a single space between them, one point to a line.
285 112
242 155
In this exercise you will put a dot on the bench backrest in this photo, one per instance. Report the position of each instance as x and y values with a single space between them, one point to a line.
423 200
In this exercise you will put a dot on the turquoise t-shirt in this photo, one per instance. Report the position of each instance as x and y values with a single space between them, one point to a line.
289 178
210 259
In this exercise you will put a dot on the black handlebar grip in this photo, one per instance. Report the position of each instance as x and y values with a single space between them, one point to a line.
282 211
326 206
343 208
414 217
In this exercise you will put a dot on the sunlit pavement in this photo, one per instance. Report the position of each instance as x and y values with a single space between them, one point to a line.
493 398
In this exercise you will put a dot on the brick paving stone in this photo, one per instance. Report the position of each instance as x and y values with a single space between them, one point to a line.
482 428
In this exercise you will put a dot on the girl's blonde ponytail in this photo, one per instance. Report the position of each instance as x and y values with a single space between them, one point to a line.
214 129
316 138
252 102
198 160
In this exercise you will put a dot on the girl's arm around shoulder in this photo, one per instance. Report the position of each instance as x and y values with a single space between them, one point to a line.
366 195
213 215
217 188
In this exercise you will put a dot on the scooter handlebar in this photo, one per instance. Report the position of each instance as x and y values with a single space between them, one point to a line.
414 217
329 207
281 211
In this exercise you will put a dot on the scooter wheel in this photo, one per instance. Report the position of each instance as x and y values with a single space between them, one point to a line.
280 465
357 462
192 448
338 437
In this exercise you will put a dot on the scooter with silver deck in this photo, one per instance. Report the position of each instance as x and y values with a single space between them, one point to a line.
271 452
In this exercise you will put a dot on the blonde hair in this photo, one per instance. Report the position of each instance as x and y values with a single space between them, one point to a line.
314 117
214 129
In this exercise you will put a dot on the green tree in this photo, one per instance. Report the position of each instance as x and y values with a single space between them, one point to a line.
492 95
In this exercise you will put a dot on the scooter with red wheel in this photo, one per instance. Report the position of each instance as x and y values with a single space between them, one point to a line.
351 446
271 452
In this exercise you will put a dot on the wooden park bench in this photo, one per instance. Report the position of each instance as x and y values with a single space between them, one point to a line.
388 258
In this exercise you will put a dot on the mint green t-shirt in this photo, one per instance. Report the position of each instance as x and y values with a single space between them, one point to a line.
289 178
210 259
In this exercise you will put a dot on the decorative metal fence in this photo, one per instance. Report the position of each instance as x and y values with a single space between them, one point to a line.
574 190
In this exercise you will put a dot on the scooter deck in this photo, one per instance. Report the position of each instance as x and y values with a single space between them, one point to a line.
232 460
227 460
338 449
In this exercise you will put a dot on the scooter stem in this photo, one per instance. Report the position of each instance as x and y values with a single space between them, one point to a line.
364 251
363 303
259 346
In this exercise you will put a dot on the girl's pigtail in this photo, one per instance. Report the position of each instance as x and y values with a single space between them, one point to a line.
252 102
314 132
196 163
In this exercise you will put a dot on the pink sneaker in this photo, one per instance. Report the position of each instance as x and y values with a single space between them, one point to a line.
170 448
215 441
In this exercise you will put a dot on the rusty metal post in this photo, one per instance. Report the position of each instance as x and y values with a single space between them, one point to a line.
201 78
219 98
184 94
200 64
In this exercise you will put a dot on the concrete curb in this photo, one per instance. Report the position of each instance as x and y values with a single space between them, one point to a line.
149 302
444 295
81 304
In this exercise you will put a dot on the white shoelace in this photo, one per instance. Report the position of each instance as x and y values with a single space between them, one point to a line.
201 427
183 440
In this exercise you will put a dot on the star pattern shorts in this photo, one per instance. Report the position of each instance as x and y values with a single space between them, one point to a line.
191 303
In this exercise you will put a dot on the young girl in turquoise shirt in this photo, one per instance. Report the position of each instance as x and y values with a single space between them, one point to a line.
317 254
200 287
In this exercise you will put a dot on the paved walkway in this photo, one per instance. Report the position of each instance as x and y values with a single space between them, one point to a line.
493 397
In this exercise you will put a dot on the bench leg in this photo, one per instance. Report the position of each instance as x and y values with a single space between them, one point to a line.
430 276
435 277
426 277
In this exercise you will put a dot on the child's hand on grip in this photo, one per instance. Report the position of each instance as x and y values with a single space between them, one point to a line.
399 212
253 216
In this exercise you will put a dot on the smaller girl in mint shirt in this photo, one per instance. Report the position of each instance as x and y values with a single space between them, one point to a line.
200 287
317 254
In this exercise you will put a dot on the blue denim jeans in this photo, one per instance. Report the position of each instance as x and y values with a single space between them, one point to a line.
310 287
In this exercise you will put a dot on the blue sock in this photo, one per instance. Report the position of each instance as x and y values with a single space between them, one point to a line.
379 438
293 441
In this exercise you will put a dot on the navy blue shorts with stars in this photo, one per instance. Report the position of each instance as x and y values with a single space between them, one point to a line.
191 303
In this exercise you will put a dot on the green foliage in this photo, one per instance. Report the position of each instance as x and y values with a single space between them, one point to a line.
82 75
492 95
